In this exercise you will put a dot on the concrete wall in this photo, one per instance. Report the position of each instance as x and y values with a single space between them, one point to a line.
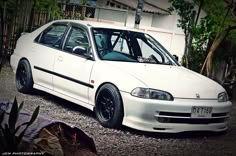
111 15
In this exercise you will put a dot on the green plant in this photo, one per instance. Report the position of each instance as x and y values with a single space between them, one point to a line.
9 142
186 12
203 34
51 7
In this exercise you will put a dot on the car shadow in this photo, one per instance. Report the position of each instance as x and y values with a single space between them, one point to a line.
63 103
181 135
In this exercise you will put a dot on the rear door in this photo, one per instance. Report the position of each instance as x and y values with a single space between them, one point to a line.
44 51
72 67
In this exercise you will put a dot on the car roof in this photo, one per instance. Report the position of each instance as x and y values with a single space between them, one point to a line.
94 24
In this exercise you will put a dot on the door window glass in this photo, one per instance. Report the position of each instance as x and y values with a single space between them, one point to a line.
53 35
77 41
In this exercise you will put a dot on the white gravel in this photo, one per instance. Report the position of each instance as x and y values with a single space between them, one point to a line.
125 141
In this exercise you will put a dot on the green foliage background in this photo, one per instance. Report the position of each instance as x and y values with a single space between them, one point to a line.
205 31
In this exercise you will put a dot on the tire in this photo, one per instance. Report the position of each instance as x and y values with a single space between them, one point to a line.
109 107
24 80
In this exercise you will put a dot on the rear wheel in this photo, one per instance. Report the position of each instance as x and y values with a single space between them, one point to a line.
24 80
109 106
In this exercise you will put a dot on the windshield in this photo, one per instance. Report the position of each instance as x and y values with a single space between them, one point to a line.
128 46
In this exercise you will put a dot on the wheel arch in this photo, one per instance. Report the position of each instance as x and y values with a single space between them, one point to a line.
119 117
24 58
99 87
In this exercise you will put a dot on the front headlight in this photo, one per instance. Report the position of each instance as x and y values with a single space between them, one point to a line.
223 97
148 93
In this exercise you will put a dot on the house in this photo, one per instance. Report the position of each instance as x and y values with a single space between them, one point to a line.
156 20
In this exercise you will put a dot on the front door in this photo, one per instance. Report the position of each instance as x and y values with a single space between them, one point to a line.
72 68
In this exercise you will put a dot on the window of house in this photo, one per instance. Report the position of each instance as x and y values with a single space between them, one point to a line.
52 36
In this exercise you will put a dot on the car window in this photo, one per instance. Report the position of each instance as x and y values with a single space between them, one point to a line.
148 52
53 35
112 46
129 46
103 42
77 41
120 45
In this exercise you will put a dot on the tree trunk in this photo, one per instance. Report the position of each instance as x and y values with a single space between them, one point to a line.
186 51
188 40
83 12
218 39
213 48
199 11
31 20
2 30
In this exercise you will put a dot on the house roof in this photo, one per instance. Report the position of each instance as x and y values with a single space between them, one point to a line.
147 7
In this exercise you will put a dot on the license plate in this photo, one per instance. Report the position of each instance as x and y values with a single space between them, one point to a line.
201 112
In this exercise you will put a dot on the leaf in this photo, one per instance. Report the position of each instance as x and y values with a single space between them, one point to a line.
13 116
10 139
19 138
21 106
1 117
7 135
20 127
2 140
33 118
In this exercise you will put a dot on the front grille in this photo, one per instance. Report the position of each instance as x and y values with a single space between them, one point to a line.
219 114
185 118
190 120
175 114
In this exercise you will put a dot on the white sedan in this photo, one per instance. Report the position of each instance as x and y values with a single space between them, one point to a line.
124 75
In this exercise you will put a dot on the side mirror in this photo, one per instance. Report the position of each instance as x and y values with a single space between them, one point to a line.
176 58
83 52
79 50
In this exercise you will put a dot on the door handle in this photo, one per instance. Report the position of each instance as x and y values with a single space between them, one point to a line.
60 58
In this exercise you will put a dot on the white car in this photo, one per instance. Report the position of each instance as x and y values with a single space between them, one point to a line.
124 75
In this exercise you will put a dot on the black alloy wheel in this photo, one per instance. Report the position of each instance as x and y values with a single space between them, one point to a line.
24 81
109 106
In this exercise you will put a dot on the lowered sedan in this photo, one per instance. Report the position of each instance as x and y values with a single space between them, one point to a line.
124 75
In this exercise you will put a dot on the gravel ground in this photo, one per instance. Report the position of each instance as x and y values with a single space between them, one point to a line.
125 141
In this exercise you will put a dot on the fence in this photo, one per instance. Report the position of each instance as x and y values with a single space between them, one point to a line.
24 19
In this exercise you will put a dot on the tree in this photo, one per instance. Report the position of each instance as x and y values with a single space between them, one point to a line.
2 14
186 12
225 20
54 11
202 33
205 35
49 6
83 11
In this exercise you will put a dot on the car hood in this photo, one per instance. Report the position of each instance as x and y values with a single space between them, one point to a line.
177 80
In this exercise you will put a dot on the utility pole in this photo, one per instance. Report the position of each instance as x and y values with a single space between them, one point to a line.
138 13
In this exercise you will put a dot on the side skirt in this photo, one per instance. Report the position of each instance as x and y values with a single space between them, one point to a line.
81 103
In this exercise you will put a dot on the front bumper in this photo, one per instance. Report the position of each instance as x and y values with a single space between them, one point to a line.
173 116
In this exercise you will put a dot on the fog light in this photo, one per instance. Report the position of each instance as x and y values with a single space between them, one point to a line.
163 120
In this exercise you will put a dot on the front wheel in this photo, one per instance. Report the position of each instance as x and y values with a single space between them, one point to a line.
109 106
24 80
